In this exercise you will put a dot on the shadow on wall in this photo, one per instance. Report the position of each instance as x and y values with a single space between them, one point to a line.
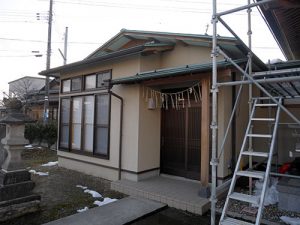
3 153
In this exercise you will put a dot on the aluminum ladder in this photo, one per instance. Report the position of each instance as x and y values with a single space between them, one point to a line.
258 200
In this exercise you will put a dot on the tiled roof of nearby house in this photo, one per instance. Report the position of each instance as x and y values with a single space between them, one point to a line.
170 72
27 77
283 19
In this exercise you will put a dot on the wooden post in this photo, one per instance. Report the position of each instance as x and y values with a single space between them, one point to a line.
205 121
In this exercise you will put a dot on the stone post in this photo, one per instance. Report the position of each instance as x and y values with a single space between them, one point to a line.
16 197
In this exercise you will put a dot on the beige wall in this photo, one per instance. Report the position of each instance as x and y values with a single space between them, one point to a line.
149 136
88 165
224 111
130 95
150 62
185 54
241 120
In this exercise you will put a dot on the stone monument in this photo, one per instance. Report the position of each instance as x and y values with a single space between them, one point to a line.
16 197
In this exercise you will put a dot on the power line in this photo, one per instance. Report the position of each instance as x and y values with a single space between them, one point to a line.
57 42
141 7
18 39
17 56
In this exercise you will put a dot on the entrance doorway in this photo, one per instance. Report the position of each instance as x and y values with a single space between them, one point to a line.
181 141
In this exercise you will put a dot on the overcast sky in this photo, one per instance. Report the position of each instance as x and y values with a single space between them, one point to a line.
93 22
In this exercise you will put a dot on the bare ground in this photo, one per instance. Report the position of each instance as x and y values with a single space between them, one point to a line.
60 196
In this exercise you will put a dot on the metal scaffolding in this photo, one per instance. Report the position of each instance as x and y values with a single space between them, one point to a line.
249 78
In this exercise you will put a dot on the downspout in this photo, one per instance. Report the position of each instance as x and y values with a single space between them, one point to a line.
121 133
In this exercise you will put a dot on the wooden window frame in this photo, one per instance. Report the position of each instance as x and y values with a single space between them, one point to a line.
62 86
105 156
60 124
71 86
101 74
78 90
95 126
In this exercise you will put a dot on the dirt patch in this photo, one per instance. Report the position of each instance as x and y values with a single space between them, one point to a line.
60 196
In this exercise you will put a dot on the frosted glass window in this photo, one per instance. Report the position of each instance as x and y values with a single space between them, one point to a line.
77 110
66 85
90 81
102 109
89 109
76 136
88 137
76 122
65 110
64 122
103 78
64 136
101 145
89 103
76 84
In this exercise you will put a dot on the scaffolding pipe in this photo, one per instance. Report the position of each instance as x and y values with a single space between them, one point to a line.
276 72
233 33
249 33
243 7
284 175
214 127
260 87
261 81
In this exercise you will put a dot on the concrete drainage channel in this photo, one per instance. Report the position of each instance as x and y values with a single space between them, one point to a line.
124 211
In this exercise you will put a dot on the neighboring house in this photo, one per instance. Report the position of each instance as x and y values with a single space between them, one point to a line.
24 85
140 105
31 91
36 100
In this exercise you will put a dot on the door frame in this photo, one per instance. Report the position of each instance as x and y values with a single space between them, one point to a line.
205 79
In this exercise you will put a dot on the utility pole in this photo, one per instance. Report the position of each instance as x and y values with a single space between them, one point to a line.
46 103
66 46
64 55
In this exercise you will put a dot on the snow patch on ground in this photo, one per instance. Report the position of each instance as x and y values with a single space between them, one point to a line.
80 186
83 210
29 147
51 163
39 173
95 194
272 195
105 201
290 220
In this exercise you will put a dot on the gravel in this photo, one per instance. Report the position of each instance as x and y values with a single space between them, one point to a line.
271 213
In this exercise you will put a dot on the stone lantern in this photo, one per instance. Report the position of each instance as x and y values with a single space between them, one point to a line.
16 186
